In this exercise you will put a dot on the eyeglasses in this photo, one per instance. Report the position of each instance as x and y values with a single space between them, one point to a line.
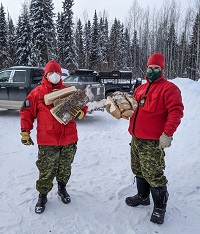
156 69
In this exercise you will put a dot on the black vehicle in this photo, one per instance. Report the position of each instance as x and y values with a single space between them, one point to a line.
113 81
118 81
16 83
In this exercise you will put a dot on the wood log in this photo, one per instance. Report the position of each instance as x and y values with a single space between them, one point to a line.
112 108
121 104
50 97
63 106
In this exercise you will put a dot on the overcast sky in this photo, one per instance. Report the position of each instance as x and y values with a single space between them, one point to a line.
114 8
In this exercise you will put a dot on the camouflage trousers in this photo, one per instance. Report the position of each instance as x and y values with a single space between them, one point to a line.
147 161
54 161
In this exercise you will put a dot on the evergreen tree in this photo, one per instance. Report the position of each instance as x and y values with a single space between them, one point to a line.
95 50
43 31
182 59
194 60
171 53
103 44
23 39
68 27
3 40
60 39
114 46
87 43
121 47
11 40
127 50
79 44
135 54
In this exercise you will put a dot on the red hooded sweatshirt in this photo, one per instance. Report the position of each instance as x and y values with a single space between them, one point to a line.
160 110
49 130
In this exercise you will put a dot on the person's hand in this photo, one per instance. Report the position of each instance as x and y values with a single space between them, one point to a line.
26 139
76 112
164 141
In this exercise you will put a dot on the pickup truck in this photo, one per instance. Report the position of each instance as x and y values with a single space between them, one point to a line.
113 81
118 81
17 82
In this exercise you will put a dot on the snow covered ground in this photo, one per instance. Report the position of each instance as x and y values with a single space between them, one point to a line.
101 179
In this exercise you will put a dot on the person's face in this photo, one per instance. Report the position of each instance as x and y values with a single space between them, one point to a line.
154 72
51 72
53 77
156 68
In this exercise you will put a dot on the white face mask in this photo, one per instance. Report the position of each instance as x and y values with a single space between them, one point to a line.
54 78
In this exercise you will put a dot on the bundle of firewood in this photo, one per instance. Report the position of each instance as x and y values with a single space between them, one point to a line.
121 105
68 105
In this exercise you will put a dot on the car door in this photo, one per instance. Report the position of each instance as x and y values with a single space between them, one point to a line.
18 88
5 77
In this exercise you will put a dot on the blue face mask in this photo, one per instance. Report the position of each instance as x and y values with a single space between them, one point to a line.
153 74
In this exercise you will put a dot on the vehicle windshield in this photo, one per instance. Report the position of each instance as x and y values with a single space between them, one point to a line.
76 78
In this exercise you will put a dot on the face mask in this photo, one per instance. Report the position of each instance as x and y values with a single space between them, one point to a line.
54 78
153 74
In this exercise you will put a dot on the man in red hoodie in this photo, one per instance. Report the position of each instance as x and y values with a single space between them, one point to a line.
152 126
57 142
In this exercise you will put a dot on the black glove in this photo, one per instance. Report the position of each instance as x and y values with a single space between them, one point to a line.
26 139
76 112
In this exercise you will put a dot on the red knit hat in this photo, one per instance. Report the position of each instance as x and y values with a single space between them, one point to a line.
52 66
157 59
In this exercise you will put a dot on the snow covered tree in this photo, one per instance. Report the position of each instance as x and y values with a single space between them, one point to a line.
43 31
60 39
194 60
87 42
23 38
68 36
126 52
135 55
11 42
182 56
3 39
171 53
79 44
103 44
94 56
114 46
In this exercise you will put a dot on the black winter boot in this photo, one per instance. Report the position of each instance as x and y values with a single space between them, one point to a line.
160 197
65 198
40 206
142 198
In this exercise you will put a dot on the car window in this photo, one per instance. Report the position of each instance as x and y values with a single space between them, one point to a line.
37 76
78 79
4 76
19 77
71 79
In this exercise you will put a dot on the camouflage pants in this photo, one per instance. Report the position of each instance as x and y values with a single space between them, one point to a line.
147 161
54 161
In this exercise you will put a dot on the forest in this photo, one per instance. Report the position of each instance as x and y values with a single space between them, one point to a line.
40 35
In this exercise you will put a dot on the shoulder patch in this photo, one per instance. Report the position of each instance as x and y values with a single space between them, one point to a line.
26 104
